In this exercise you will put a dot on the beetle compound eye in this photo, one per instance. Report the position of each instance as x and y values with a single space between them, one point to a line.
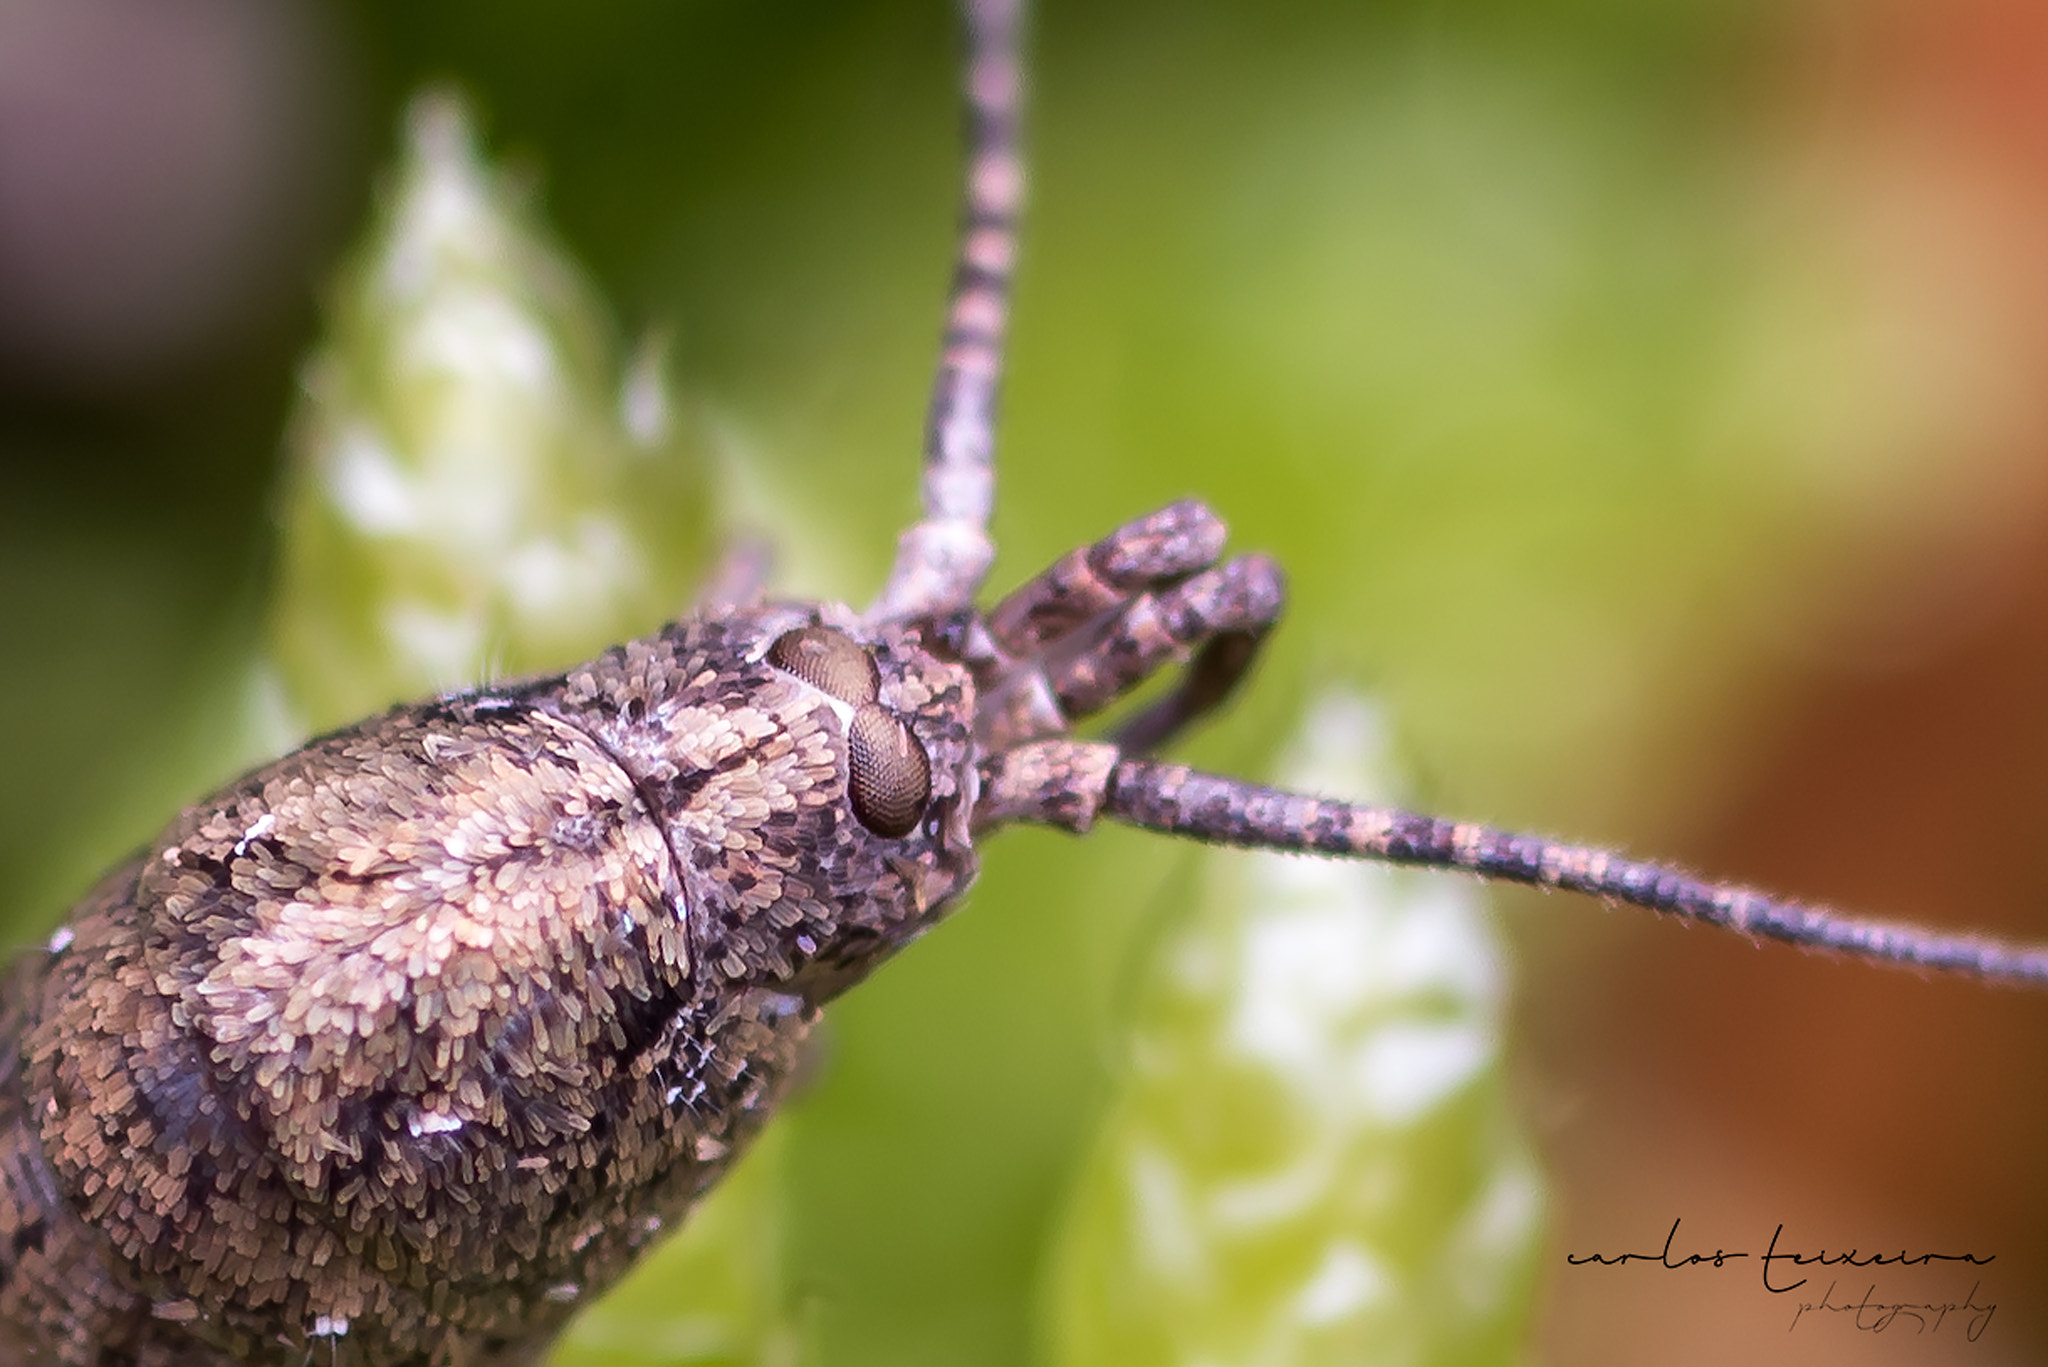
891 777
828 661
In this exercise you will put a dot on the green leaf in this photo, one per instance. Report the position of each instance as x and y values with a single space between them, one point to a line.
478 488
1310 1157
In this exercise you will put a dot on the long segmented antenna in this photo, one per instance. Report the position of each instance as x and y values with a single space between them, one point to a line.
1071 784
942 560
1170 797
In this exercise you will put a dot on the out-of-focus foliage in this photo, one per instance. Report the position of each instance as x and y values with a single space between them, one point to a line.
477 488
1494 322
1310 1158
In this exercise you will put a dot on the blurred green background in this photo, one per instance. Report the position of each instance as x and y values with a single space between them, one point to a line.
1644 398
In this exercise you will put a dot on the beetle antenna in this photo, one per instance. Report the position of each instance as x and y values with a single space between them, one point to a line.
942 560
1070 783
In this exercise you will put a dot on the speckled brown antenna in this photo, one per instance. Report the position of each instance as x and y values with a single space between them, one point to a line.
942 560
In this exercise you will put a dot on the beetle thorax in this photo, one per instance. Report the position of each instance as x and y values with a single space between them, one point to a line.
814 780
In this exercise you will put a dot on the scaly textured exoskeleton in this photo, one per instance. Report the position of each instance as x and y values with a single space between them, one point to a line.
412 1040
